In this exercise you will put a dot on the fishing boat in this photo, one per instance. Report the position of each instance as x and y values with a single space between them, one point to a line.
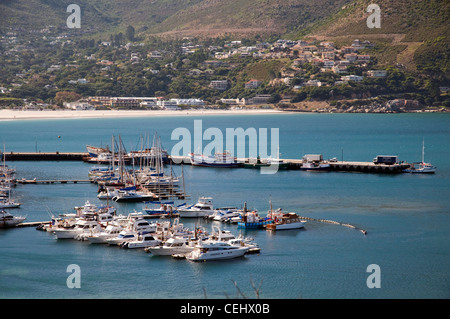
421 167
285 221
204 207
252 220
7 220
224 159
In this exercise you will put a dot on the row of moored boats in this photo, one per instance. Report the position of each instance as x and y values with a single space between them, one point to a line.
101 225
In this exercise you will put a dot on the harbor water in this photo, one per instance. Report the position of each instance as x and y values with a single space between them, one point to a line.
406 216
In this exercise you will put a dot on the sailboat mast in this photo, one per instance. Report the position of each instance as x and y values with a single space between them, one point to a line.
423 150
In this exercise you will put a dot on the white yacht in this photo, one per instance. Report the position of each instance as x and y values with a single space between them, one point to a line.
225 215
102 237
136 226
9 203
202 208
173 246
81 226
240 241
7 220
124 236
133 196
143 241
215 250
219 247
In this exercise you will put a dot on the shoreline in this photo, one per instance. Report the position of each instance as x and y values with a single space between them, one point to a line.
11 115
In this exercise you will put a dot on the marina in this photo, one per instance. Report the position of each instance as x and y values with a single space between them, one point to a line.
349 220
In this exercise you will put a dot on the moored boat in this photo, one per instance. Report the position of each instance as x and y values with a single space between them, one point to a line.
9 203
174 245
94 151
7 220
224 160
215 250
142 241
313 166
421 167
252 220
285 221
204 207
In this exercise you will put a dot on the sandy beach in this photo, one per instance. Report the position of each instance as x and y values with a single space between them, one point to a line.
6 115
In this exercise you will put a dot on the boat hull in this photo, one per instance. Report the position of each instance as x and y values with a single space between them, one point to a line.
194 214
218 255
11 223
254 225
160 251
285 226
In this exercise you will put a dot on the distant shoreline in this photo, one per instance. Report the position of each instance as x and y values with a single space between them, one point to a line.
10 115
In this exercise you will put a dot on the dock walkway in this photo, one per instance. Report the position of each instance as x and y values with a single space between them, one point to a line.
293 164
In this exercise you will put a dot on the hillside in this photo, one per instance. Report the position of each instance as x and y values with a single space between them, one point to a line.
172 17
413 33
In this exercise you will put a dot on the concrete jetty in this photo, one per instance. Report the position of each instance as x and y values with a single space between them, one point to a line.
293 164
44 156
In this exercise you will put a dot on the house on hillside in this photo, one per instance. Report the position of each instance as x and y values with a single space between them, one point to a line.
376 73
219 84
253 84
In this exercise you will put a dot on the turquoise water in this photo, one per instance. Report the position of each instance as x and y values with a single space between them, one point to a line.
407 217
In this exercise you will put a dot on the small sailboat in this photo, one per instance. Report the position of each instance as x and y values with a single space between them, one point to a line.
421 167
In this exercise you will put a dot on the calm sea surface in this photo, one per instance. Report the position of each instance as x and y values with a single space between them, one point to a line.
407 217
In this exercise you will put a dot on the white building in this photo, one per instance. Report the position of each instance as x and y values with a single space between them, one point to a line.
352 77
190 102
253 84
167 105
78 105
219 84
376 73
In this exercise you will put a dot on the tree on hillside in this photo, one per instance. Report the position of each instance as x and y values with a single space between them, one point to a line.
130 33
66 96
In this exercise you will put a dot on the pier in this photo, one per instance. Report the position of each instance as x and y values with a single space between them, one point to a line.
33 224
339 166
44 156
35 181
292 164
